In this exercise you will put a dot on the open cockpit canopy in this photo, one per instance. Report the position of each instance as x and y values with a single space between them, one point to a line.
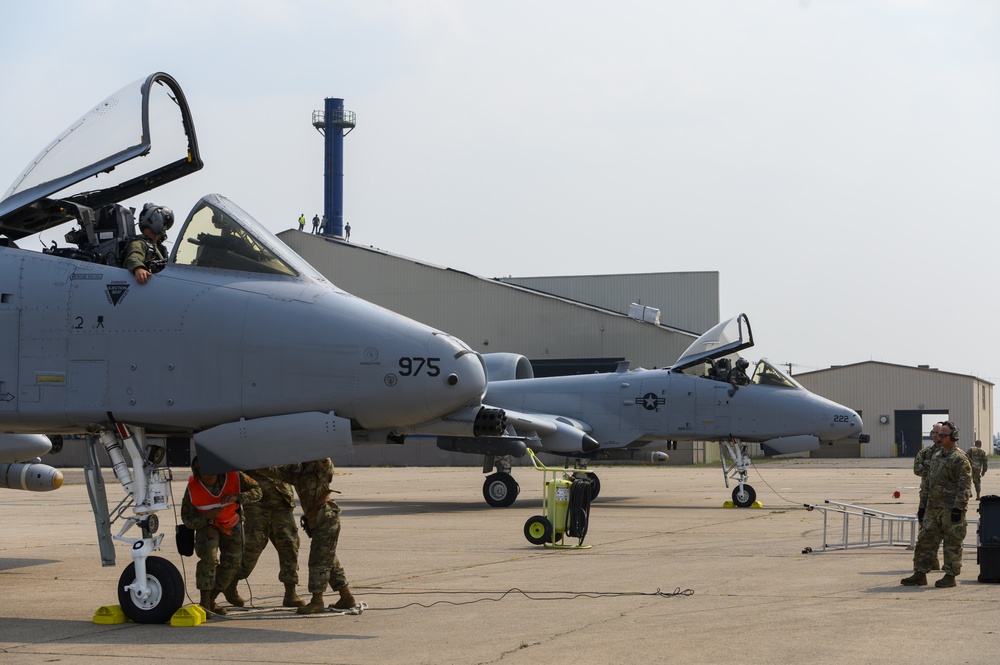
95 162
723 339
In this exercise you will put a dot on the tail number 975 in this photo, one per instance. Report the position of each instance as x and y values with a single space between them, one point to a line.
413 366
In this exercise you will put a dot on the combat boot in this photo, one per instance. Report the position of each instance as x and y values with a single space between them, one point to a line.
947 581
315 605
233 596
346 601
291 598
916 579
214 606
206 600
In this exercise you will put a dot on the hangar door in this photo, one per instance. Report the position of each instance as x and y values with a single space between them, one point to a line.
912 429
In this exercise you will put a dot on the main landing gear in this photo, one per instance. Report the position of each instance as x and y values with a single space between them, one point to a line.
150 589
500 489
743 494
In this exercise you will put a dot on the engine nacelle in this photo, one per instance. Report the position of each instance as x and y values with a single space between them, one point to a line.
507 367
30 476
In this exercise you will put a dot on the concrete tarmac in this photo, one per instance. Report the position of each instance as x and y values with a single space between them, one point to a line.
449 580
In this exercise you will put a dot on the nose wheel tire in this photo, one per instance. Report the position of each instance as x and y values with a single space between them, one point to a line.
500 490
745 498
166 588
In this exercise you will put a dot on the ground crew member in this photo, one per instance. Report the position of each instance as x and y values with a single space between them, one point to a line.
321 522
977 458
211 506
146 250
948 483
302 222
271 519
921 467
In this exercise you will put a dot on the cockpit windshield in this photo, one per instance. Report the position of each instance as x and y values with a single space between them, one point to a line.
219 234
766 374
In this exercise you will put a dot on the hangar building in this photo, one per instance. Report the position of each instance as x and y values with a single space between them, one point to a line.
899 403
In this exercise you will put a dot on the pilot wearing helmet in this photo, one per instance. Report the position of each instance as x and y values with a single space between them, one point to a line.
146 253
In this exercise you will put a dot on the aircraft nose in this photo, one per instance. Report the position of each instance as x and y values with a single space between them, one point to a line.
463 371
847 424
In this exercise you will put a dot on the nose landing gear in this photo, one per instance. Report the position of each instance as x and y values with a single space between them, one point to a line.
744 495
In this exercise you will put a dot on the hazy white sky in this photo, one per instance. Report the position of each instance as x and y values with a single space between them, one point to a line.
837 162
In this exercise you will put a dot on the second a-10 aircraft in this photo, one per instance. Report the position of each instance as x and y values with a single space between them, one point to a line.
704 396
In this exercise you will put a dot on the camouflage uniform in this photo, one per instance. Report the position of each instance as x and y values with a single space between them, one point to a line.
141 252
271 519
977 458
947 489
219 555
312 483
922 466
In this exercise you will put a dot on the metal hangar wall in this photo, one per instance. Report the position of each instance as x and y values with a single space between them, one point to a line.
895 401
497 316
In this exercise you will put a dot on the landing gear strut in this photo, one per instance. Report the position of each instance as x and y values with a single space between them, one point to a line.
743 494
150 589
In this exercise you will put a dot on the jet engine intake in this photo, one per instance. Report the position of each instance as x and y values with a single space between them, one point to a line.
507 367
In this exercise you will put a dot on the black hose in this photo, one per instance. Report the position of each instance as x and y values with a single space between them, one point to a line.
579 506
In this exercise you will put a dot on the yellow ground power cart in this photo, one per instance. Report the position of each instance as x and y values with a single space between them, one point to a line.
566 495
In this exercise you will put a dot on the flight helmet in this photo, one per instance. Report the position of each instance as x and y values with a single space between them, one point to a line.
155 217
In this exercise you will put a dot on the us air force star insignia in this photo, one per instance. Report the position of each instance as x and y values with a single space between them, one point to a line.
650 401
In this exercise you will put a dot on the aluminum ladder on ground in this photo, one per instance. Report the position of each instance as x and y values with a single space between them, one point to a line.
864 527
868 527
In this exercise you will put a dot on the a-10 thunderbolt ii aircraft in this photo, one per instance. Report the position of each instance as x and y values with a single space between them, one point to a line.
629 414
236 343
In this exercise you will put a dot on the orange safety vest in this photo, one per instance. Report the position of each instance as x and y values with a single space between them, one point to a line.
204 500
